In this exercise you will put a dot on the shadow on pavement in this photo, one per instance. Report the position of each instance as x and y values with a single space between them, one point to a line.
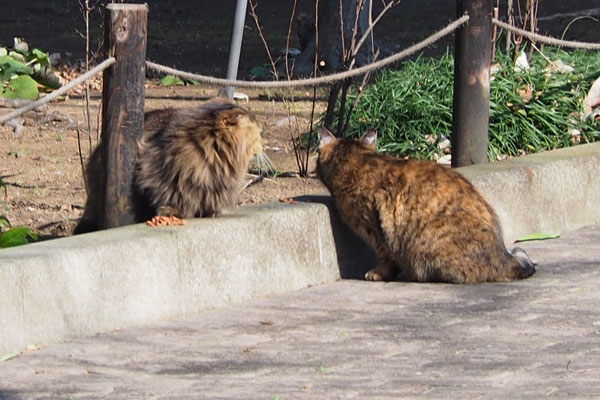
355 256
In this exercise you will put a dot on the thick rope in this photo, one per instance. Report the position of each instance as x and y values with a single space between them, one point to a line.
323 80
547 40
35 104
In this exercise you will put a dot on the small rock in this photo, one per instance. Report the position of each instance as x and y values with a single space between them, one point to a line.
521 64
592 100
559 66
239 96
445 160
443 143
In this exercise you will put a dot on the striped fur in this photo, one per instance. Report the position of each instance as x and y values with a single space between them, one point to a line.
426 223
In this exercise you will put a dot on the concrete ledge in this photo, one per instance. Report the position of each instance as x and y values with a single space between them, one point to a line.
136 275
555 192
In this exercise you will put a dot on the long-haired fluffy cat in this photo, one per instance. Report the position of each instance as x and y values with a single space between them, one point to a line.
190 162
426 223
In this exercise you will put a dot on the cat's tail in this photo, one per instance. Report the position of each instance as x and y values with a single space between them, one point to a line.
522 266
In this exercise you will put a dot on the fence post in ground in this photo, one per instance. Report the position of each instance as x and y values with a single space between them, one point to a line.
472 84
122 108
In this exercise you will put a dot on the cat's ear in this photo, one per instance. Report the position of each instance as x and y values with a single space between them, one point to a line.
326 137
231 116
369 138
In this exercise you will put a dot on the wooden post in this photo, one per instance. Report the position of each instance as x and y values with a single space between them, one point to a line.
472 84
122 108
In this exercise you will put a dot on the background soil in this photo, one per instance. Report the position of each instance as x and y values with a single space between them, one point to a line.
42 167
41 164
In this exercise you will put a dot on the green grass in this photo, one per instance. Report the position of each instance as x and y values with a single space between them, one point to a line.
411 108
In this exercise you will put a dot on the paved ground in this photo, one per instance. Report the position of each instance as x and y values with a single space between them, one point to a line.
354 339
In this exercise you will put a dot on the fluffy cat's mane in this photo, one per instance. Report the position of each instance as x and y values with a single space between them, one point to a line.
190 162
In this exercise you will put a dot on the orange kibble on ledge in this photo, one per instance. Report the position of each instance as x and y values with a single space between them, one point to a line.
161 220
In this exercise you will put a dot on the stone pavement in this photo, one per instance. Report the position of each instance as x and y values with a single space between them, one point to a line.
353 340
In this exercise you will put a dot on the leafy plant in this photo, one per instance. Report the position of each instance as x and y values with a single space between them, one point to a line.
171 80
22 70
530 111
261 72
17 236
536 109
410 108
10 236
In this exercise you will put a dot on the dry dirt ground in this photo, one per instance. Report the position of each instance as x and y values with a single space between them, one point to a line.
42 169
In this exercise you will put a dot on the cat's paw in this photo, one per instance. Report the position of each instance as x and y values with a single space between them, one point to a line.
374 275
168 211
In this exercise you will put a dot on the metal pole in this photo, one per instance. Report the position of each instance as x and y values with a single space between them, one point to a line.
471 109
235 46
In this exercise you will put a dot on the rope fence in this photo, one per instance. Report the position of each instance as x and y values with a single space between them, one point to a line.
322 80
35 104
319 81
546 39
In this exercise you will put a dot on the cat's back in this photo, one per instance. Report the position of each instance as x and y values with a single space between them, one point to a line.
412 192
429 190
377 171
176 121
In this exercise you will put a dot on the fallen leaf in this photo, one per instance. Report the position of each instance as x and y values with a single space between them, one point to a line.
538 236
8 357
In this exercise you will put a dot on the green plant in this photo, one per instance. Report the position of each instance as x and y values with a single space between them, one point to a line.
14 236
171 80
22 70
530 111
321 368
536 110
410 108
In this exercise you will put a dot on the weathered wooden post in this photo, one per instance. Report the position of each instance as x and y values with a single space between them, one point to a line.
472 84
122 108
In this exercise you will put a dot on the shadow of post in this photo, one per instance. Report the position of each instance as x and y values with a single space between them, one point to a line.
355 257
10 395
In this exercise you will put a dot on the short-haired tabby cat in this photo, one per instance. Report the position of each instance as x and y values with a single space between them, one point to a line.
190 162
425 222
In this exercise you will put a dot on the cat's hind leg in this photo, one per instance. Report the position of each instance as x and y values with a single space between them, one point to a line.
386 269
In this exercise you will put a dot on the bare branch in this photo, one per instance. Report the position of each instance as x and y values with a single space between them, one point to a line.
372 24
287 41
261 34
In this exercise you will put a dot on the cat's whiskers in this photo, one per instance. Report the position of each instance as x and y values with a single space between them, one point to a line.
264 164
254 179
